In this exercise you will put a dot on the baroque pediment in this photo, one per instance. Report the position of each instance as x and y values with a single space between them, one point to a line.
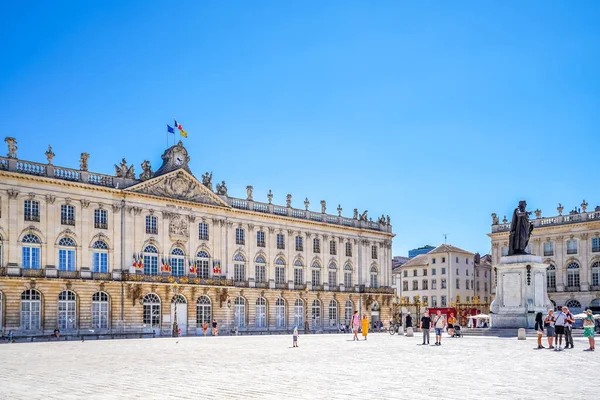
179 185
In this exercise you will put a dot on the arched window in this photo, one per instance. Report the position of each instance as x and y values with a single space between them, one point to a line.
67 256
374 277
203 310
239 268
551 277
316 313
348 311
239 312
260 269
347 276
100 257
67 310
150 260
279 271
316 274
596 274
152 311
1 263
332 275
573 274
298 273
203 264
177 262
299 313
31 306
573 304
31 251
261 313
280 313
100 310
333 313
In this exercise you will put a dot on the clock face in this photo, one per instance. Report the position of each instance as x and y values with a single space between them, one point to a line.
178 158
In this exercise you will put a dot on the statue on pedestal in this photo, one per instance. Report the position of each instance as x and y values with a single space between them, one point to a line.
520 230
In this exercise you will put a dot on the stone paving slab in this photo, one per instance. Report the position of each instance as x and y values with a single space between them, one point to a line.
324 366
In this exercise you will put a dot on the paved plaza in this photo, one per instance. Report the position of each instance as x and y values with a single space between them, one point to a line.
324 366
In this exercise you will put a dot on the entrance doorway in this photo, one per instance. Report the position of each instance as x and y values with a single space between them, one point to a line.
181 304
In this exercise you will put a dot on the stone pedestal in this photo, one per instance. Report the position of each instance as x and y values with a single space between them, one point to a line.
410 332
520 292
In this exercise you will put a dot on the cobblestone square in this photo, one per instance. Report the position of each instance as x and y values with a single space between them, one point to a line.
267 367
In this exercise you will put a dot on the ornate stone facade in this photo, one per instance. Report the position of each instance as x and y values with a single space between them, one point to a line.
87 251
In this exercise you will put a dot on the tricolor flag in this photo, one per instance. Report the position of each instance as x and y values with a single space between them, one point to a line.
181 131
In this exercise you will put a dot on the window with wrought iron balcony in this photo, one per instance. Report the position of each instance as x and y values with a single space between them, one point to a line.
32 217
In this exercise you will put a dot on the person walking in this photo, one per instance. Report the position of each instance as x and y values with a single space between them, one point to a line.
295 336
539 328
365 326
354 324
568 327
10 337
559 328
588 329
549 324
425 326
215 328
204 328
439 323
451 322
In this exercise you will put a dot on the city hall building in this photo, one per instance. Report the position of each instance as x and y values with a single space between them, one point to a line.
89 252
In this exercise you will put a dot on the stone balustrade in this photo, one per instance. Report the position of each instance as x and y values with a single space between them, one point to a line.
552 221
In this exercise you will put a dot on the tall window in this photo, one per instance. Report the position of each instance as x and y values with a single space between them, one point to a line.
348 249
433 301
280 241
551 277
333 313
100 219
433 271
31 251
433 284
572 246
203 231
32 210
31 301
239 268
332 247
66 254
443 271
203 264
374 277
150 260
347 276
332 275
152 311
374 252
279 271
348 312
425 284
67 310
261 313
203 310
316 245
596 244
316 274
596 274
100 257
478 286
239 236
485 287
573 274
467 284
457 283
425 272
67 214
260 269
280 313
151 225
316 313
444 303
239 312
548 249
298 273
260 239
299 313
443 284
1 264
299 243
100 310
415 285
405 286
415 272
177 262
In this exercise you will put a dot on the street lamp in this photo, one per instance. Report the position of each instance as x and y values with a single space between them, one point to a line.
306 328
174 301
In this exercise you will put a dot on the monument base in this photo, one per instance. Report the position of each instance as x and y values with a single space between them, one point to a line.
520 292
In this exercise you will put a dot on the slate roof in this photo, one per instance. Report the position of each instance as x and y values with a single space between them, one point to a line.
448 248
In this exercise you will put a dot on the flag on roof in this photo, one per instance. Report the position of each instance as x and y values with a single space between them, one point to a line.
170 129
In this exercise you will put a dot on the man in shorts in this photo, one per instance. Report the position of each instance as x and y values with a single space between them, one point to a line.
439 323
560 320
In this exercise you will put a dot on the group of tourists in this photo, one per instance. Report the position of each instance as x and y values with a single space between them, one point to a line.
215 328
559 325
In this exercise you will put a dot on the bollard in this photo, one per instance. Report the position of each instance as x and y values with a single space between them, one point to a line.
521 334
409 332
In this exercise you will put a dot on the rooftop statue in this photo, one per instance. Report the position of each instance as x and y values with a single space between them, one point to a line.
12 147
520 230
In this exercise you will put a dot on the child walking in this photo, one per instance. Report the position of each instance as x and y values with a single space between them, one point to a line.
295 336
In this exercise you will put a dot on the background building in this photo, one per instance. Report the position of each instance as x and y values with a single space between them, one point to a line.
421 250
570 245
87 251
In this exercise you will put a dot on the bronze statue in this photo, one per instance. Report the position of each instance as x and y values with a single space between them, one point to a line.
520 230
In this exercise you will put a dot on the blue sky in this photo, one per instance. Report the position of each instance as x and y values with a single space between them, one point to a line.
436 113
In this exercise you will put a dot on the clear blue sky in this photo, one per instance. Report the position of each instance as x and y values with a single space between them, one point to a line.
437 113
